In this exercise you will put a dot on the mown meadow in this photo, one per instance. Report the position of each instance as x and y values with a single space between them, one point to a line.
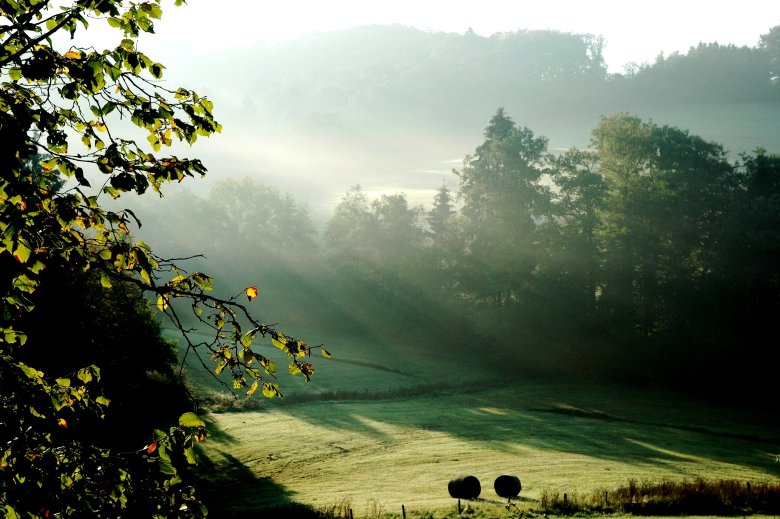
375 430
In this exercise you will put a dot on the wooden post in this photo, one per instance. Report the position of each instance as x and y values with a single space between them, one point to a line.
403 511
350 514
606 498
459 510
565 498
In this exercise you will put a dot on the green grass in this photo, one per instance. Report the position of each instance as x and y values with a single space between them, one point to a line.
360 368
362 439
384 425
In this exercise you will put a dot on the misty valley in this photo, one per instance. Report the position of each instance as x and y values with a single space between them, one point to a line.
417 256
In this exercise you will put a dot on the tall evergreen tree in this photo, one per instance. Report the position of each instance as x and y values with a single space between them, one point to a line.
504 202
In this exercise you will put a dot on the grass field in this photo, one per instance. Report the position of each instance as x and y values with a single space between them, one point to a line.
374 435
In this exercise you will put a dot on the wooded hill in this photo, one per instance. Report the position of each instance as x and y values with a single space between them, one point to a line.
381 76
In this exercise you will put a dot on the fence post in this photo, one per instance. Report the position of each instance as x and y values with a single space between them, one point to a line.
403 511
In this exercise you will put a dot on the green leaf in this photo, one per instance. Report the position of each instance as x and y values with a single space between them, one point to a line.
189 455
108 108
70 90
15 74
22 253
85 375
191 420
202 280
166 467
27 370
105 281
247 339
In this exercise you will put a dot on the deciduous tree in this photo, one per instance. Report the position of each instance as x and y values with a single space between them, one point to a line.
70 103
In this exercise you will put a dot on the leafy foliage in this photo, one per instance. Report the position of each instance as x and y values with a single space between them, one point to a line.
65 104
78 322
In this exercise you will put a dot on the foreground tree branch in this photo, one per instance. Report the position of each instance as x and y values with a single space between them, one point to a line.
68 105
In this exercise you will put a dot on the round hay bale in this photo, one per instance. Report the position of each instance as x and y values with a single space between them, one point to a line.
507 486
464 487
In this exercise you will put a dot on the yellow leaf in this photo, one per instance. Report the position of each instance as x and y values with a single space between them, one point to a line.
270 390
62 423
279 341
73 54
100 126
162 303
253 388
251 292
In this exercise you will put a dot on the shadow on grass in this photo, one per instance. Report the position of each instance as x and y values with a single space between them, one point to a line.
231 491
616 431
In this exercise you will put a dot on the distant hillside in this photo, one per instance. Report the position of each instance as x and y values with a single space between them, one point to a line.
402 74
395 108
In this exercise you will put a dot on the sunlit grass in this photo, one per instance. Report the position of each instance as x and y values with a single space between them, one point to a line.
555 437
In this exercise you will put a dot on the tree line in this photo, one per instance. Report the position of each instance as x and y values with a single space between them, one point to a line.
357 77
649 257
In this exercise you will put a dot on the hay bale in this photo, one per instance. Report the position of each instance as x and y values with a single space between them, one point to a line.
464 487
507 486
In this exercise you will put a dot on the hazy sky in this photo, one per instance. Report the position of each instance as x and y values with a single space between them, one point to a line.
634 30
